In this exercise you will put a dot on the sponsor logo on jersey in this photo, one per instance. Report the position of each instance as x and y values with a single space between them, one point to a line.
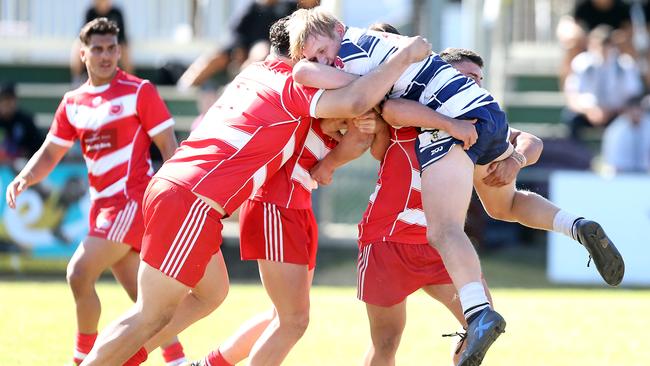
100 140
338 63
116 109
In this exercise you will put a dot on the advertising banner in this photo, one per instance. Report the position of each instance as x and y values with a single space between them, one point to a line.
621 204
51 218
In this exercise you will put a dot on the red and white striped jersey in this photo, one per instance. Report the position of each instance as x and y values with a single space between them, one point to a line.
291 186
395 212
114 124
246 136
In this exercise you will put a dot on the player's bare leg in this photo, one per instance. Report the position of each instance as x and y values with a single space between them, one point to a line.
386 328
288 287
91 258
238 346
506 203
202 300
158 298
125 272
446 192
88 262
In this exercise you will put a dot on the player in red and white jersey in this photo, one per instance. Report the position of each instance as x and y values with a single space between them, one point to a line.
115 124
291 187
279 230
394 212
245 138
115 116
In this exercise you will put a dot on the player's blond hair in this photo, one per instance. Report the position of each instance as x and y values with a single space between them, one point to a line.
307 22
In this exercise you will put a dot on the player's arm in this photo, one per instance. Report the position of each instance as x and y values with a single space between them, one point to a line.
404 112
365 92
381 141
528 149
321 76
353 144
332 127
527 144
166 142
37 168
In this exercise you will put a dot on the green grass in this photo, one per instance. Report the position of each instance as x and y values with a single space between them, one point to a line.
597 327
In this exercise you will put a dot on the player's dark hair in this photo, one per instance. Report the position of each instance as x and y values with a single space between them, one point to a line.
98 26
279 37
455 55
384 27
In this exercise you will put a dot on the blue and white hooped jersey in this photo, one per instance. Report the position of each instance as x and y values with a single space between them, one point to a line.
432 82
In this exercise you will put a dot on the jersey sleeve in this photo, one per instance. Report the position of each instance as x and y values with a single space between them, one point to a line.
302 99
365 50
61 131
152 110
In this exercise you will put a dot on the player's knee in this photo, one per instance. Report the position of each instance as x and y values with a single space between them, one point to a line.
501 213
387 344
296 323
215 298
79 276
442 236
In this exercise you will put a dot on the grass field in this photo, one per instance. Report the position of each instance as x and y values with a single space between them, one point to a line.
545 326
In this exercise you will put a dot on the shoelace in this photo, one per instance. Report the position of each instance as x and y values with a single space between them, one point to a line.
460 343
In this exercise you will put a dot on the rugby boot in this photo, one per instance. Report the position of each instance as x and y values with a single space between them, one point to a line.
608 260
482 331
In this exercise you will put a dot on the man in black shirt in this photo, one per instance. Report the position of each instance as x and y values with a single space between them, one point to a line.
247 42
19 137
592 13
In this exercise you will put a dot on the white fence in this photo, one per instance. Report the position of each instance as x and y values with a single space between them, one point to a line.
42 30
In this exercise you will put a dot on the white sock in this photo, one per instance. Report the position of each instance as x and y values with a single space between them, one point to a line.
472 298
563 223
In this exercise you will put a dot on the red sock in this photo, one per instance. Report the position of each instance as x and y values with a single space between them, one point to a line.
138 358
215 358
83 344
173 354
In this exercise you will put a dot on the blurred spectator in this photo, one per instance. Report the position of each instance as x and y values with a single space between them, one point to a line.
19 137
587 15
102 8
602 79
248 40
626 142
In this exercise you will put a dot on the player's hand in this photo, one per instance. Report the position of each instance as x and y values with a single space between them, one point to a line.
322 173
501 173
16 187
332 127
464 130
417 48
367 122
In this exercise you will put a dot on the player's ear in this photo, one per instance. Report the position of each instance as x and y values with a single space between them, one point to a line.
82 53
340 29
